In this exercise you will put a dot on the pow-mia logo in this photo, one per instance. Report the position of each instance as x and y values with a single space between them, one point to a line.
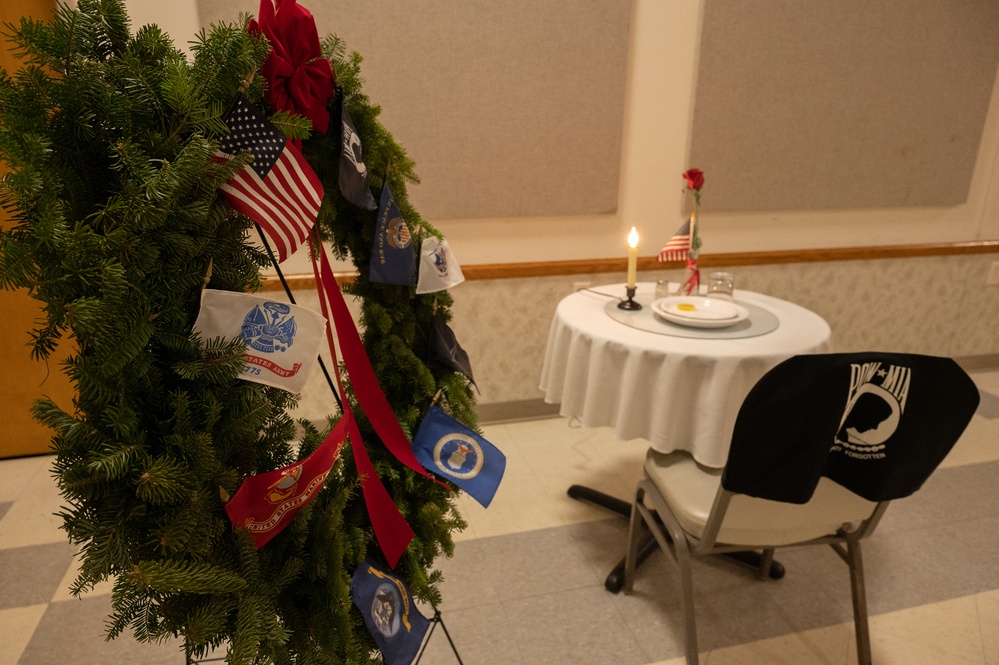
387 609
873 410
459 456
397 233
269 327
352 149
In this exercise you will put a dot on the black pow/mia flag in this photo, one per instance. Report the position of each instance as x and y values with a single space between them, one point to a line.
353 172
876 423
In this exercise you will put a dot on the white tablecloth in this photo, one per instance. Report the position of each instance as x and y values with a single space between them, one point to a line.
678 393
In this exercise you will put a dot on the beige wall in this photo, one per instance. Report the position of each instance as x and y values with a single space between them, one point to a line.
659 102
178 18
933 305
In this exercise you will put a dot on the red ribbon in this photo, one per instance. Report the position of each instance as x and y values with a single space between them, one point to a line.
299 79
693 281
362 375
392 531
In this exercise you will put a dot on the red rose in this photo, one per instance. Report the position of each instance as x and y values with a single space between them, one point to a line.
299 80
695 179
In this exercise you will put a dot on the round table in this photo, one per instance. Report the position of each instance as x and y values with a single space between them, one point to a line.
678 392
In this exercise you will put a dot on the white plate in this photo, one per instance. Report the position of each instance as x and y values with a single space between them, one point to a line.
698 307
699 312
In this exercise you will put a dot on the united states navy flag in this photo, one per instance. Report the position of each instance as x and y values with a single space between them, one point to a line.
448 448
389 613
353 172
393 260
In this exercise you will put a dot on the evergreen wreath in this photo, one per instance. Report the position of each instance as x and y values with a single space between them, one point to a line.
117 227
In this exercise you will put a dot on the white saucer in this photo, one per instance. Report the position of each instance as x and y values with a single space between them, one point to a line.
699 312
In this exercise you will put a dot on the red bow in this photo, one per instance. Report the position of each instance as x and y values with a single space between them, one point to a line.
299 79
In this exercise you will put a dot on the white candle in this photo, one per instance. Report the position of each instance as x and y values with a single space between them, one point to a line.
632 257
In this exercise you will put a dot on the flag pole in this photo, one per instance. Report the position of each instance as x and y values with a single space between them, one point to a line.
438 619
291 297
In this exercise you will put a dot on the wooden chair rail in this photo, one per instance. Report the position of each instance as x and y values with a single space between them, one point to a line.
596 266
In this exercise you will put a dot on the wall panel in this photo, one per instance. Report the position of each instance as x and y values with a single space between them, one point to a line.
842 105
511 108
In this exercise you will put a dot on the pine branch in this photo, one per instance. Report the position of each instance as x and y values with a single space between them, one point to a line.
115 220
164 480
291 125
185 577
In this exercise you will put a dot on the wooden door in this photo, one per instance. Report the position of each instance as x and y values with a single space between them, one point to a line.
23 380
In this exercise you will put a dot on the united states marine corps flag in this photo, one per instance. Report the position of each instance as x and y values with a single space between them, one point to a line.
446 447
266 503
389 613
393 260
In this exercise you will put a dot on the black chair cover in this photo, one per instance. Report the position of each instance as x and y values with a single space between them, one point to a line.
876 423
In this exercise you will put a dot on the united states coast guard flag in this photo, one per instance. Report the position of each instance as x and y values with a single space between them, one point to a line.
278 189
282 340
438 268
393 260
389 613
452 451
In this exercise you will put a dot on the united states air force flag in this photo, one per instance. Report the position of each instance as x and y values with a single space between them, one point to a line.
452 451
389 613
282 340
393 260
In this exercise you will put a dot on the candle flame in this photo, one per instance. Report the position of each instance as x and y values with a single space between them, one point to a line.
633 238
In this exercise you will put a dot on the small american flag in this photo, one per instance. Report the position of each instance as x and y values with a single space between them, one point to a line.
678 247
278 189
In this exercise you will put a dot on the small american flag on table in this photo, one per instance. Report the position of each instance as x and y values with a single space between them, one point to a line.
678 247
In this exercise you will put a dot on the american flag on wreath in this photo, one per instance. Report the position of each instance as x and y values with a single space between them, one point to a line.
678 247
278 189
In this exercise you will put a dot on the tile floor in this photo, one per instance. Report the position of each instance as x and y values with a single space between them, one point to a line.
526 582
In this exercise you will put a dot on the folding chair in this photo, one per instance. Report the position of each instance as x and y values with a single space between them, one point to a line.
820 447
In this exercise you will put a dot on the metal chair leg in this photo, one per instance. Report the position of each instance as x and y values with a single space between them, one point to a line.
634 535
765 560
857 586
671 538
687 596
